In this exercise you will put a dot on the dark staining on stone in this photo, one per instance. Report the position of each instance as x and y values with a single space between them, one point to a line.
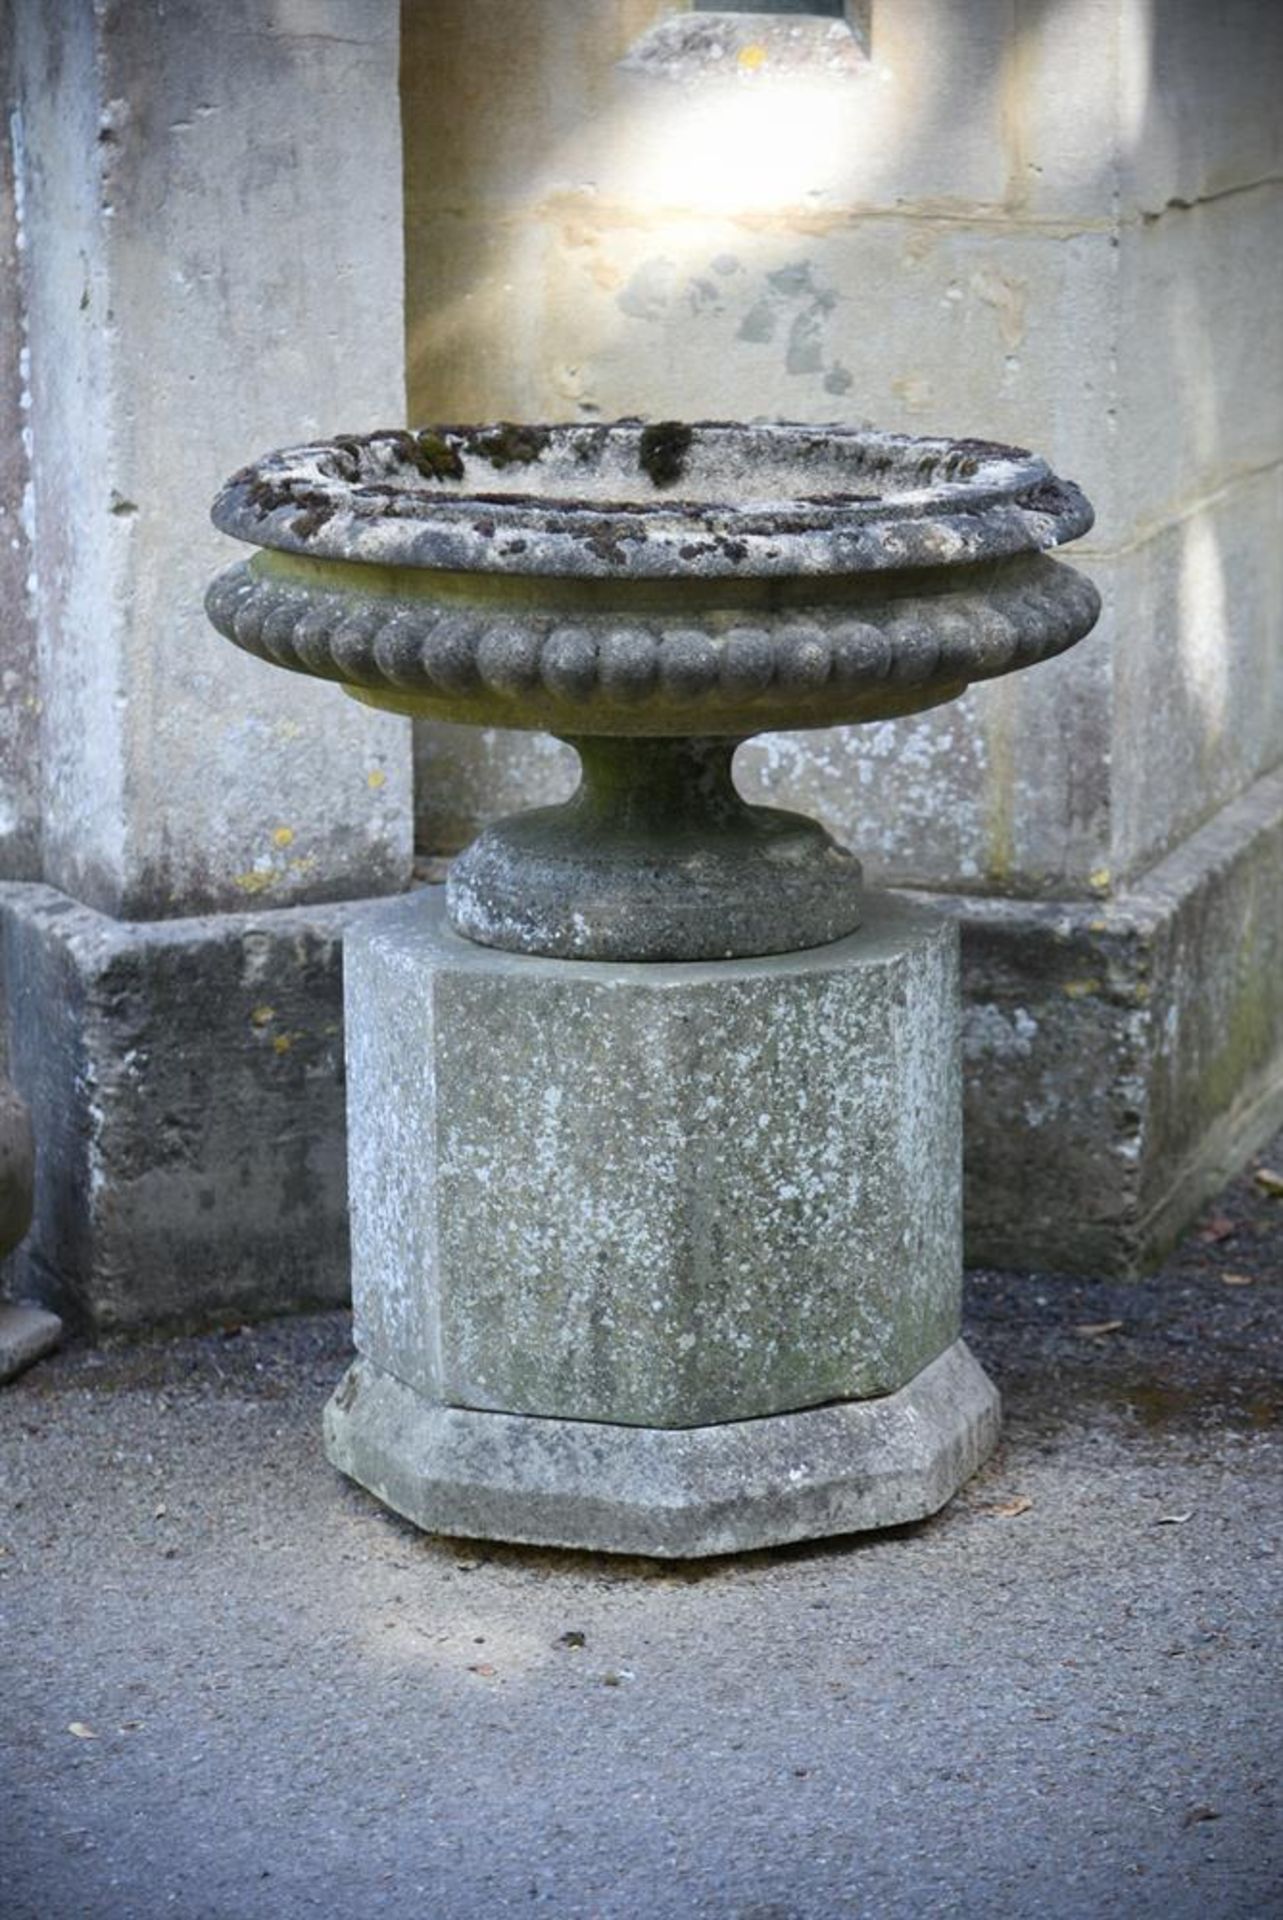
264 495
432 455
349 1387
869 460
1047 497
371 477
989 450
836 499
606 542
312 508
345 459
947 466
555 506
508 445
304 525
662 451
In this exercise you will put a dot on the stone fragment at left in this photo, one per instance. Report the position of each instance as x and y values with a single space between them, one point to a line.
27 1333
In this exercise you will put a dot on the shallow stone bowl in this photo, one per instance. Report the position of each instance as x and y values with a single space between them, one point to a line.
655 595
651 580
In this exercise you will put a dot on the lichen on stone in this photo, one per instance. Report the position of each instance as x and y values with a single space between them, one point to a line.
508 445
662 451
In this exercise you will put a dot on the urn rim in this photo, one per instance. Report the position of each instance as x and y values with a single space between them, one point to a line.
628 499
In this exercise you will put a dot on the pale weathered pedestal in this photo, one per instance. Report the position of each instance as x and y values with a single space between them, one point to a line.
657 1258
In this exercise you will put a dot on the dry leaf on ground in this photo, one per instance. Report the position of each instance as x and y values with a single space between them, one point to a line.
1008 1509
1270 1181
1091 1329
81 1731
1196 1814
1237 1279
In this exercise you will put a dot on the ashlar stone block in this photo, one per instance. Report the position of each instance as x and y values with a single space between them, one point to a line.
212 261
665 1195
185 1084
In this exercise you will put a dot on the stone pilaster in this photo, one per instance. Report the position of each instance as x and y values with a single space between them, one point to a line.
210 243
212 261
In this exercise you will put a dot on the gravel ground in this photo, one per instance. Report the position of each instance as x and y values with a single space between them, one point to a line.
234 1687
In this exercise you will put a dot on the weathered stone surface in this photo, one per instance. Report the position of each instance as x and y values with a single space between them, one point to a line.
17 1168
185 1084
969 239
1073 780
658 858
994 326
1004 790
213 249
1039 337
1122 1059
1199 292
1195 631
965 113
19 703
664 1195
27 1333
1168 103
694 502
674 1493
1197 101
464 777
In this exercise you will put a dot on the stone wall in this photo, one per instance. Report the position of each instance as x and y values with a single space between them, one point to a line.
945 237
1058 223
1054 221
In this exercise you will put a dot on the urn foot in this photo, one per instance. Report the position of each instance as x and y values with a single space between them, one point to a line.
655 857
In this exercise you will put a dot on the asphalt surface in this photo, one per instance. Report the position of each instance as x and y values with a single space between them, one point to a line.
233 1686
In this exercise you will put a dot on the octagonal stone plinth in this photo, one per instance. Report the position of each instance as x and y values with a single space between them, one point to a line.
664 1195
678 1198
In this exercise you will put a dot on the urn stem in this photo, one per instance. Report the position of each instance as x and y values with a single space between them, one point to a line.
654 857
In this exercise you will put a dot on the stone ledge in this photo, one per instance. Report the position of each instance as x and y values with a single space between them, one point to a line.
1122 1058
186 1089
675 1493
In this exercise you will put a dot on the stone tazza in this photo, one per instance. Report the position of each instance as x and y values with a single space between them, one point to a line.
654 595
